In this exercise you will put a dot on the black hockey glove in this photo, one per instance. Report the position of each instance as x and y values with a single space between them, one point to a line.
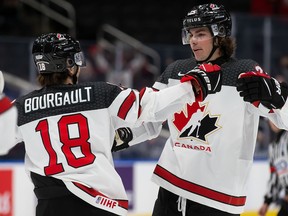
122 138
205 78
260 87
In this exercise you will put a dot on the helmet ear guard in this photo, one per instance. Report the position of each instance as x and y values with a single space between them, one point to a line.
79 59
70 63
222 31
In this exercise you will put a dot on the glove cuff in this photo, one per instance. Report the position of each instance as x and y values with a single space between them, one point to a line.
279 95
199 89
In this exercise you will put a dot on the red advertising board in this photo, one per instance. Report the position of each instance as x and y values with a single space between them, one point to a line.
6 193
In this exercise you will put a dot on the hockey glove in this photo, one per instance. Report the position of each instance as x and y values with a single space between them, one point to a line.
260 87
122 138
205 78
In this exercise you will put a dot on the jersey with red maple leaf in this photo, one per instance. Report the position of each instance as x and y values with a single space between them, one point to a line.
209 153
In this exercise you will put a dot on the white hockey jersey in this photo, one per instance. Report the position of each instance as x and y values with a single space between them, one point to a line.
68 132
8 119
208 156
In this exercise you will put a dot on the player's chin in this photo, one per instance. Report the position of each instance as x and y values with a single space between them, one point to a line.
198 56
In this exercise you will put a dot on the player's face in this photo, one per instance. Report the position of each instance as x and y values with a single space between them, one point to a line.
201 42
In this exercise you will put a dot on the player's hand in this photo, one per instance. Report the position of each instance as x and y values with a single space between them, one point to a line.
1 82
122 138
257 87
206 79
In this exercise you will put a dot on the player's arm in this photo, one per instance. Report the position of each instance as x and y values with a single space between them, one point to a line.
126 137
133 107
8 120
156 106
5 102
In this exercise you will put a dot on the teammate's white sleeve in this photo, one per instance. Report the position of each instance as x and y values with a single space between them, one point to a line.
8 125
283 113
131 108
158 105
146 131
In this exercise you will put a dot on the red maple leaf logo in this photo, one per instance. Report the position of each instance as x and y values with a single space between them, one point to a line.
182 118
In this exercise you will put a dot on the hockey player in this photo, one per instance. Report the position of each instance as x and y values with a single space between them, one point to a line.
204 166
68 128
8 114
278 181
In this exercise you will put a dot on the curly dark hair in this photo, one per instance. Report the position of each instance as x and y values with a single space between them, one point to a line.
227 46
52 78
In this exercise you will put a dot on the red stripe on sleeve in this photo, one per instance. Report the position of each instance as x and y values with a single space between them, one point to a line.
140 98
126 105
198 189
143 90
5 104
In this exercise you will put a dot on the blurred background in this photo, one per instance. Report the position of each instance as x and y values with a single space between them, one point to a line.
131 43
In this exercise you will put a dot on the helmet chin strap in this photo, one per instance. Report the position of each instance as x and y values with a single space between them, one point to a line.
74 77
211 53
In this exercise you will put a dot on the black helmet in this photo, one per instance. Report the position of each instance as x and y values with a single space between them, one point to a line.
215 17
55 52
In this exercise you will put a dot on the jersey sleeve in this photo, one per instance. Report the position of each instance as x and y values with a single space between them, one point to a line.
8 124
279 117
147 131
131 108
